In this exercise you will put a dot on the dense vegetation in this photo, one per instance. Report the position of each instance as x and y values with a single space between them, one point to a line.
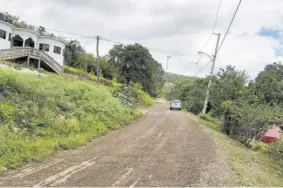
245 109
40 115
126 64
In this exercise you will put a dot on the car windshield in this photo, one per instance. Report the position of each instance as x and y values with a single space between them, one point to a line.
176 101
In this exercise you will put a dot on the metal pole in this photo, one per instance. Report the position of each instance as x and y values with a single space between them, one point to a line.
97 59
211 74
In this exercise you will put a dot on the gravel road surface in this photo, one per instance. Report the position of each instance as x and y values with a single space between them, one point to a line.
163 148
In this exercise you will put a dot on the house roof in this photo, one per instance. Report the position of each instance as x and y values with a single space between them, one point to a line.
274 132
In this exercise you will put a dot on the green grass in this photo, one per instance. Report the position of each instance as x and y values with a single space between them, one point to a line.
41 115
84 75
142 98
251 167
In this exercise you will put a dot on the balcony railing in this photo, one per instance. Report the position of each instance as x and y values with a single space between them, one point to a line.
16 52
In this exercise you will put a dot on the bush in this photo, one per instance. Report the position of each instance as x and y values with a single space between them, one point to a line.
80 73
276 149
207 117
132 96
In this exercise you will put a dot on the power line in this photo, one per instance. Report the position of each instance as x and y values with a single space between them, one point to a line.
214 25
153 49
122 43
216 17
231 22
78 35
203 67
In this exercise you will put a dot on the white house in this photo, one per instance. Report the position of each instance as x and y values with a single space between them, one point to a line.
49 47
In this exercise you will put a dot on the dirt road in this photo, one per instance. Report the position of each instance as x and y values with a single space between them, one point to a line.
163 148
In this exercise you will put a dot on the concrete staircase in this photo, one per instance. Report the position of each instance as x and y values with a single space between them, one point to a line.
18 52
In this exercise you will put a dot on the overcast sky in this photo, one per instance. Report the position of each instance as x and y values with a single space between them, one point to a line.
255 39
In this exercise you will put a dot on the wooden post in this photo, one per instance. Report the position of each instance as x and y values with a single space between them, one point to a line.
97 59
39 61
28 60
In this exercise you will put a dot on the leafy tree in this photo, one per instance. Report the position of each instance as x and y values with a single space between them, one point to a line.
108 69
244 121
268 85
72 53
135 64
228 85
191 92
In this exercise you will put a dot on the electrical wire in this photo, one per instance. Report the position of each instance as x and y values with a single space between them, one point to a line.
203 68
230 24
121 43
214 25
216 17
74 34
152 49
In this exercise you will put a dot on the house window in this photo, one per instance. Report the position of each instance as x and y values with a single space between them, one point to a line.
10 36
44 47
2 34
57 50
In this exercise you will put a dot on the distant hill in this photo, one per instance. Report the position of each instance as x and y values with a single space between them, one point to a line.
174 78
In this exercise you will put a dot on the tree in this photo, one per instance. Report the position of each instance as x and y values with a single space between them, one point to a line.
135 64
268 85
228 85
191 92
244 121
72 52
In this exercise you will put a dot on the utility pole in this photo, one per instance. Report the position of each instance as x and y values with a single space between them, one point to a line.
97 59
196 67
211 73
168 57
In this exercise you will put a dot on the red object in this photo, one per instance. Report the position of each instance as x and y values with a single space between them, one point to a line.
271 135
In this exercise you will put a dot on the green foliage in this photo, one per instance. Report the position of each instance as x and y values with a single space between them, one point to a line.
134 96
82 74
134 64
244 121
73 53
268 85
208 118
276 149
40 115
191 92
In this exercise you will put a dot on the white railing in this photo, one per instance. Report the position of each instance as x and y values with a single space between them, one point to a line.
15 52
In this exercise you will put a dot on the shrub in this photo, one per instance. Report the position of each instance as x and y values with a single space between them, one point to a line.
132 96
207 117
276 148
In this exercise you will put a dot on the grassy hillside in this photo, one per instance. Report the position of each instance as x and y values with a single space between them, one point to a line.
174 78
40 115
251 166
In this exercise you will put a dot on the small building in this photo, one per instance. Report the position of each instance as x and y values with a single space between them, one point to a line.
272 135
23 43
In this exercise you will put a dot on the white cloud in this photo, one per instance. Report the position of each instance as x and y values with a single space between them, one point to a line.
177 25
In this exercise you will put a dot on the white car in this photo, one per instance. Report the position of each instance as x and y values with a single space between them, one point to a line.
176 104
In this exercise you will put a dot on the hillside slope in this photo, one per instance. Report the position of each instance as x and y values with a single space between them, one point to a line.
39 115
174 78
